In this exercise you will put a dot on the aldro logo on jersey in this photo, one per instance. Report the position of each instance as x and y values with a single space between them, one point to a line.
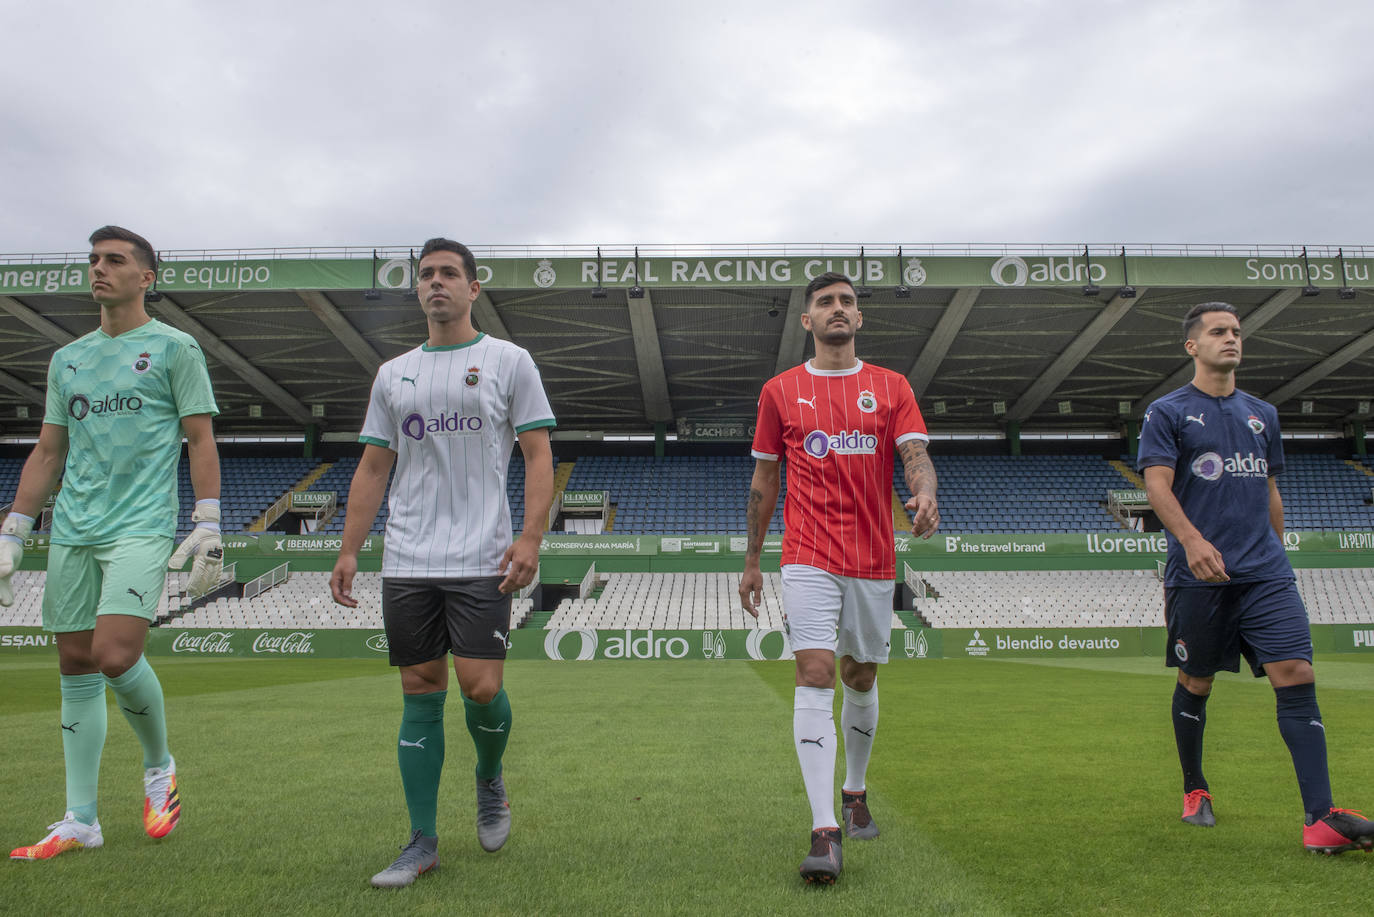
79 406
819 444
1209 466
417 426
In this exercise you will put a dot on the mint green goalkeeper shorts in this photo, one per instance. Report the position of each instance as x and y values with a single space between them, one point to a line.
124 577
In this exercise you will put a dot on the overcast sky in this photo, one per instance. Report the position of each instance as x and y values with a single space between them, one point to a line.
250 124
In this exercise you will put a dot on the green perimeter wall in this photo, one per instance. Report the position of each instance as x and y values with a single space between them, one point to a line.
579 645
565 558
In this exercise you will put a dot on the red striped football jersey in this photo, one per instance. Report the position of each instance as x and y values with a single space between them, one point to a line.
837 430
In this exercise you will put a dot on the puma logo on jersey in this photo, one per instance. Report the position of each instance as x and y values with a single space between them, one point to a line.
1197 420
408 379
418 743
137 595
810 404
501 638
72 367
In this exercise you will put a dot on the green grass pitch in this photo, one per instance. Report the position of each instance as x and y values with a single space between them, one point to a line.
671 788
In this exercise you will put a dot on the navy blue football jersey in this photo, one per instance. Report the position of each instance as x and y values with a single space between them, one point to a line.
1223 452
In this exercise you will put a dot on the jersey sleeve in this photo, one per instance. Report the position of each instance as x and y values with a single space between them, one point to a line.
190 381
529 404
768 443
379 426
55 408
1158 438
907 422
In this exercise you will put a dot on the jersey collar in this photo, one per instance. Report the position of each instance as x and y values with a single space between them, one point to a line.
428 349
834 372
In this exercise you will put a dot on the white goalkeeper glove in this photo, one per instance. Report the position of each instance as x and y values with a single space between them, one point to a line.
205 545
16 528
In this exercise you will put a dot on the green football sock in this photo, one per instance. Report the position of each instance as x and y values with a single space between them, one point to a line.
489 724
420 752
84 722
140 697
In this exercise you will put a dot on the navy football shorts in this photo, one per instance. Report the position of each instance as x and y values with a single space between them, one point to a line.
426 618
1211 627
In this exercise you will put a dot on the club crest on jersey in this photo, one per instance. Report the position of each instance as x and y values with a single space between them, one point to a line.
868 402
1256 425
145 363
471 379
819 444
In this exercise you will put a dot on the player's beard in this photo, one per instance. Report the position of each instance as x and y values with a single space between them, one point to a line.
836 334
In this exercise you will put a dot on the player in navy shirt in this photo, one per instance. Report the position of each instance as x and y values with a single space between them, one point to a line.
1209 453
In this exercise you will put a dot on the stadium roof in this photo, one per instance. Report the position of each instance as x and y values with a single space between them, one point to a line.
987 334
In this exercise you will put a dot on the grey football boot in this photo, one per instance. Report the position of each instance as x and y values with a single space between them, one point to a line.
493 814
823 862
858 821
417 857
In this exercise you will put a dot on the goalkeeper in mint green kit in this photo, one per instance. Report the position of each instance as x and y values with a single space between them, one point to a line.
119 401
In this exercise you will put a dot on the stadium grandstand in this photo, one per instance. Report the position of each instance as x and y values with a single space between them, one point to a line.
1033 365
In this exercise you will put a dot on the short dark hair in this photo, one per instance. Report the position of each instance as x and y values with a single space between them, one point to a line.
1195 314
440 244
146 256
825 280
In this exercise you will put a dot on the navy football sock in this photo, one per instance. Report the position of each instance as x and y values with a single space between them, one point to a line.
1300 724
1190 718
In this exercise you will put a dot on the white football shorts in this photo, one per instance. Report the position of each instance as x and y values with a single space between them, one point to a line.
843 614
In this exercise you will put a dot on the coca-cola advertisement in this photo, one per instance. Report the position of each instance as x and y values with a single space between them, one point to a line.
215 642
296 643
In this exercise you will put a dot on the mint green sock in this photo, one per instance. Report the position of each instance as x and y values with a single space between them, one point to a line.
490 727
420 753
139 694
83 738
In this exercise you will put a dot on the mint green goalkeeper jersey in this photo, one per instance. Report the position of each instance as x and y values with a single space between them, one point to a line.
121 400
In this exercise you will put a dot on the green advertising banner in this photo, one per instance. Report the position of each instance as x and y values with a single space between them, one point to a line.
584 644
599 545
565 558
875 268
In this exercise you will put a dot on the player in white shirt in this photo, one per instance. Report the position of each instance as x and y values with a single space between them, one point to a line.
447 414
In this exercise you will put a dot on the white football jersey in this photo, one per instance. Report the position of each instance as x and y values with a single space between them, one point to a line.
451 415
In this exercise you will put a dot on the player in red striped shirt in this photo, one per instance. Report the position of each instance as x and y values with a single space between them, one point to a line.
836 421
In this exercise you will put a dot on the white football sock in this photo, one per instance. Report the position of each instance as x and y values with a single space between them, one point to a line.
813 733
859 721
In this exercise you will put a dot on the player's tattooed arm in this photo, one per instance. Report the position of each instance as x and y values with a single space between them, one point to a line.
763 498
753 525
919 473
